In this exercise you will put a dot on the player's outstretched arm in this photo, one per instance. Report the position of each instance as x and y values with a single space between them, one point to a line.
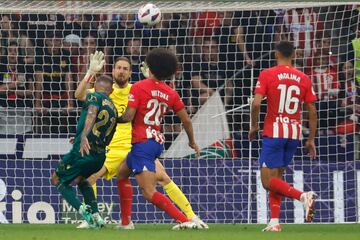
255 110
310 143
96 64
89 123
127 116
186 121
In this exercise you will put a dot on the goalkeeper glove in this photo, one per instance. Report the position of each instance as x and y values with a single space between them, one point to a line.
97 62
144 69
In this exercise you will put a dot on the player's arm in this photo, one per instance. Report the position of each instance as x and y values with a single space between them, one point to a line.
127 116
310 143
96 64
89 123
186 121
255 111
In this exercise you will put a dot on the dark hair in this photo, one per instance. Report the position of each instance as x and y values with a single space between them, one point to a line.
105 78
125 59
162 63
13 43
285 48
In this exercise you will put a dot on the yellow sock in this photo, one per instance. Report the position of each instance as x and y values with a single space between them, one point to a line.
95 191
178 197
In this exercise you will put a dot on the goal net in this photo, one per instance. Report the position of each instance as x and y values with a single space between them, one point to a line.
221 47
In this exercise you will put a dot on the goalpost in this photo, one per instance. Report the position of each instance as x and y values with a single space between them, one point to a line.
44 51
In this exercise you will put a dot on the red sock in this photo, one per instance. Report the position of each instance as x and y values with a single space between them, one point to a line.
125 194
164 203
275 203
283 188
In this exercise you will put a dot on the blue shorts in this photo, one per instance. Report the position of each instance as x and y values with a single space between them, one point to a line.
277 152
143 155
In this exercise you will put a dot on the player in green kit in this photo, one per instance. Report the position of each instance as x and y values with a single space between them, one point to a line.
95 130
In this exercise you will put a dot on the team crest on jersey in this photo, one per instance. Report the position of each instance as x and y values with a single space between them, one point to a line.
121 108
92 98
131 97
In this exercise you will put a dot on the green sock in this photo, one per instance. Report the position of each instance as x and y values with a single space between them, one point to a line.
89 196
69 195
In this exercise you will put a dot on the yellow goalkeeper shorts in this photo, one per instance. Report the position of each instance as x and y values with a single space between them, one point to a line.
114 157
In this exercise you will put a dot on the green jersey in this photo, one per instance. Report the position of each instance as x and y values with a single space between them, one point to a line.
104 126
356 46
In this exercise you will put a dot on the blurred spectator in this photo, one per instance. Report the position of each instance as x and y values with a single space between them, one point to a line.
159 35
346 27
72 44
179 26
135 51
204 25
27 51
254 37
324 78
37 25
254 34
209 74
118 34
89 46
54 89
8 29
10 32
327 87
16 91
349 95
299 60
80 24
16 85
172 123
226 37
301 26
323 45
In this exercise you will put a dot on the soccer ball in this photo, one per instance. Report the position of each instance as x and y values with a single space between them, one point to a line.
149 15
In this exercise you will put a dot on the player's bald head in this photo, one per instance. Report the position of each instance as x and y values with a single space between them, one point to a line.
104 84
284 49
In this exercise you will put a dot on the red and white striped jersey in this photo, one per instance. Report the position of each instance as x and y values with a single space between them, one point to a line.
286 88
325 82
302 25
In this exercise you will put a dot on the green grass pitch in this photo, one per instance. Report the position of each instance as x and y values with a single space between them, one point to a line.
163 231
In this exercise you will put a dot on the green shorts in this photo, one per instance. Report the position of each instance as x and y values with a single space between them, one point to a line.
74 165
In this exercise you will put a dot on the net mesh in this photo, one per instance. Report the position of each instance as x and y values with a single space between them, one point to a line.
221 47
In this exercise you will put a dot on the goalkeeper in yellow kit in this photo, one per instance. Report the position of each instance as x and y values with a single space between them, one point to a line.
120 145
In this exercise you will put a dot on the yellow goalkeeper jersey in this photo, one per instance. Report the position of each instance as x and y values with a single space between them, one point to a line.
122 134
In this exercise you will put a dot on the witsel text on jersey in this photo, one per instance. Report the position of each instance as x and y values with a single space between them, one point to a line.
157 93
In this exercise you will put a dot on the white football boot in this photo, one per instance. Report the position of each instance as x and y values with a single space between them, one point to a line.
272 228
130 226
83 225
185 225
308 200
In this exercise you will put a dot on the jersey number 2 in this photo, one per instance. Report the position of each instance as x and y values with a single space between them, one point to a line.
156 109
286 98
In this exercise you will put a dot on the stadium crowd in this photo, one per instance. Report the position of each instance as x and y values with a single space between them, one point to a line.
45 56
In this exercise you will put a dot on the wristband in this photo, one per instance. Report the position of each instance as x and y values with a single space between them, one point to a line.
89 78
